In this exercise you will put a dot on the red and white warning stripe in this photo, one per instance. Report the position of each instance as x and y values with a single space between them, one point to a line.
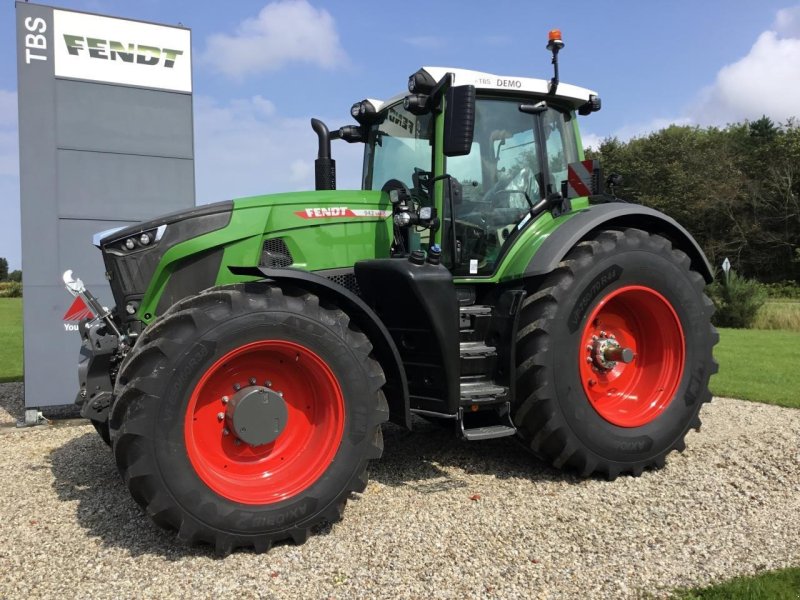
332 212
580 176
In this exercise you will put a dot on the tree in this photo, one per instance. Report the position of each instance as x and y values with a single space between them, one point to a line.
15 275
737 189
3 269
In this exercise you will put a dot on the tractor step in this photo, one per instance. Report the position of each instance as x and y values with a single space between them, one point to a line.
487 433
476 349
473 322
477 426
481 391
477 358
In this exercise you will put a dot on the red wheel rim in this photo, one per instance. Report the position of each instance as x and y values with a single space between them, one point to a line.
302 452
642 320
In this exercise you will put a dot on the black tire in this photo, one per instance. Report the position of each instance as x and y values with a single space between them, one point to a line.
155 384
553 412
102 430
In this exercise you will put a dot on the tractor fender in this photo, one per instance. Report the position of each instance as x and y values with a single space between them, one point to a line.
615 214
384 348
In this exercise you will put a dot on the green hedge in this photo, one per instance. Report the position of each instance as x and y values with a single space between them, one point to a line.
10 289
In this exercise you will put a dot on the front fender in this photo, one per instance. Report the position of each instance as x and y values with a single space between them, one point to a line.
396 387
615 214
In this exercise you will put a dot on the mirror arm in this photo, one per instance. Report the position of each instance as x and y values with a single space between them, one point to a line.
438 91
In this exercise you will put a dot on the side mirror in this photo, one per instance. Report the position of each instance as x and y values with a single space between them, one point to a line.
459 120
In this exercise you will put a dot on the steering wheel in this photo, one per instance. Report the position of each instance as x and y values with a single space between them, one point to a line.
494 196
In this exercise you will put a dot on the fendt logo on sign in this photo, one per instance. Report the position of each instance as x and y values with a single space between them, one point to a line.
111 50
77 312
96 48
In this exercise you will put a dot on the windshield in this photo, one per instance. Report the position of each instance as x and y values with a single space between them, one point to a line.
516 160
397 144
508 171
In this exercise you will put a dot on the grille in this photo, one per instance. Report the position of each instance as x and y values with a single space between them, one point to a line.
275 254
346 280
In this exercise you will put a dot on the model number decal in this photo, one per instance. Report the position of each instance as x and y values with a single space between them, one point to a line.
342 212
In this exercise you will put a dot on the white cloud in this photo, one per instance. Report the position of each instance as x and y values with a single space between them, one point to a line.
787 22
764 82
591 140
284 32
241 149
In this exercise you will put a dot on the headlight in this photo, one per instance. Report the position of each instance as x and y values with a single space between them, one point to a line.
138 241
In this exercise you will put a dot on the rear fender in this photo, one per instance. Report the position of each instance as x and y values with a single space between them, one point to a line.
616 215
384 348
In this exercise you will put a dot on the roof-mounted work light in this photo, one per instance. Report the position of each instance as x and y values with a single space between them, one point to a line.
363 112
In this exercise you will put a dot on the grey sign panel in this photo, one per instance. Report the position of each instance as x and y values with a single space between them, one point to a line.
113 118
105 141
138 184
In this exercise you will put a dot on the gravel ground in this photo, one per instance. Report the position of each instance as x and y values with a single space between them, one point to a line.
440 518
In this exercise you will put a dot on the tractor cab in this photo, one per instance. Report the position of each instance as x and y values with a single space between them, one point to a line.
518 142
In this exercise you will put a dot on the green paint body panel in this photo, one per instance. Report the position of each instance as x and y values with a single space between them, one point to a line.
513 265
316 241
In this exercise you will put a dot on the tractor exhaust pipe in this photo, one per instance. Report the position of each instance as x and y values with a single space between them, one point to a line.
324 166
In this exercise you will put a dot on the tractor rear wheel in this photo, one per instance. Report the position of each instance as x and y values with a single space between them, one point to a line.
614 355
247 415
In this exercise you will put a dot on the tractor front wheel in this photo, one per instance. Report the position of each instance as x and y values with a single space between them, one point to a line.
247 415
614 355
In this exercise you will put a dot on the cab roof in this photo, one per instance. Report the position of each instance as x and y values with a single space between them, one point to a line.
571 94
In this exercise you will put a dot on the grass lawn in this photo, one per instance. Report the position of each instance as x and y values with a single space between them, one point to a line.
758 365
773 585
10 339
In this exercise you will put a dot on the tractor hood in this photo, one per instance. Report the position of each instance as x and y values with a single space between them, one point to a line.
154 263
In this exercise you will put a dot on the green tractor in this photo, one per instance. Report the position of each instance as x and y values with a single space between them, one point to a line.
481 278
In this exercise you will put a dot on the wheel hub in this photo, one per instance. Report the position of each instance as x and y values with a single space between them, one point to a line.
632 356
256 415
605 352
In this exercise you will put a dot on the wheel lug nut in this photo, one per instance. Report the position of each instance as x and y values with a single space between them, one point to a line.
252 381
602 334
236 387
225 431
592 382
588 359
268 383
280 394
220 416
594 338
588 347
225 399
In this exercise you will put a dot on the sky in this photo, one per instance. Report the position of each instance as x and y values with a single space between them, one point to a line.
262 69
